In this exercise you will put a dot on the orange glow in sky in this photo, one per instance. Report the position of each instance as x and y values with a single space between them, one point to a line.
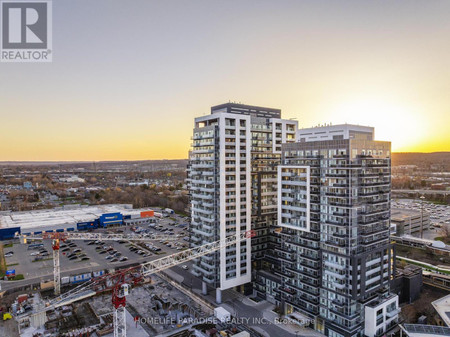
127 84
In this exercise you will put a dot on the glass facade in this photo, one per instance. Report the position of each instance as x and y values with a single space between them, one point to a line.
343 260
232 180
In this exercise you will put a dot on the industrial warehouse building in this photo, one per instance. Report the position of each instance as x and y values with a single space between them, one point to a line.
68 217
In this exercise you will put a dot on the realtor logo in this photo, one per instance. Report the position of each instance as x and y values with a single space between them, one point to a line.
26 31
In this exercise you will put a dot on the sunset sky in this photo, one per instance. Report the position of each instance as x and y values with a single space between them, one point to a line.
128 77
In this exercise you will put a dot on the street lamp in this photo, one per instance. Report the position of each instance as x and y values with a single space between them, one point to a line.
422 197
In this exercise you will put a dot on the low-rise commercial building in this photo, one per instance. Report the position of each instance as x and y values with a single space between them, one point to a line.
409 221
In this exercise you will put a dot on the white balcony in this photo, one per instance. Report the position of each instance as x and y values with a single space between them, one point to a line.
392 313
335 265
335 275
203 233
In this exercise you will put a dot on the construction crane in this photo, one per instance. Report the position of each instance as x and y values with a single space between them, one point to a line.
57 237
135 275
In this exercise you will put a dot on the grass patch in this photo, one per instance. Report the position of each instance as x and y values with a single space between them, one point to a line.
8 245
12 264
17 277
437 202
421 254
443 239
425 266
181 213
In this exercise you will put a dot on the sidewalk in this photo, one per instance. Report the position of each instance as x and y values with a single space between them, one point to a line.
267 311
259 315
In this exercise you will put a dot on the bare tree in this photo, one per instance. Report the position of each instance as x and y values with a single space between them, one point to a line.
445 231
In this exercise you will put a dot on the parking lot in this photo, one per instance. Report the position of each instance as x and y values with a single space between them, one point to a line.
80 256
439 214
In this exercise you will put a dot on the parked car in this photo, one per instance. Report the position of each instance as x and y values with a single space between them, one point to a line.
185 267
34 253
102 252
114 260
73 258
123 258
85 258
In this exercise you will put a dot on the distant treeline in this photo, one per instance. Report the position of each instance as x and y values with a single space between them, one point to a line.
423 160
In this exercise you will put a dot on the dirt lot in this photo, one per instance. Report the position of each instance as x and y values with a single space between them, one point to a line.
411 312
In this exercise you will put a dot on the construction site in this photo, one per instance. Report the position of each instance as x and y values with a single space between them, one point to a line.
154 308
134 301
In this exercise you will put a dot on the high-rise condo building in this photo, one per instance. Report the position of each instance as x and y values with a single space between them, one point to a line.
233 187
334 208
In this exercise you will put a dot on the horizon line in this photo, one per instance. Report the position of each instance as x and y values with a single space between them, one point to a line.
142 160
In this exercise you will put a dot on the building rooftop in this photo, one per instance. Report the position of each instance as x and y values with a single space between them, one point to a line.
420 330
408 270
377 302
61 217
400 214
244 109
345 126
442 306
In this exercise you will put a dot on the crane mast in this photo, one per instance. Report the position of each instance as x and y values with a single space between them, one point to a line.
56 267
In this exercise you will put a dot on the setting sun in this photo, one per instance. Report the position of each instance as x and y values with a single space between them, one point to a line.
400 124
